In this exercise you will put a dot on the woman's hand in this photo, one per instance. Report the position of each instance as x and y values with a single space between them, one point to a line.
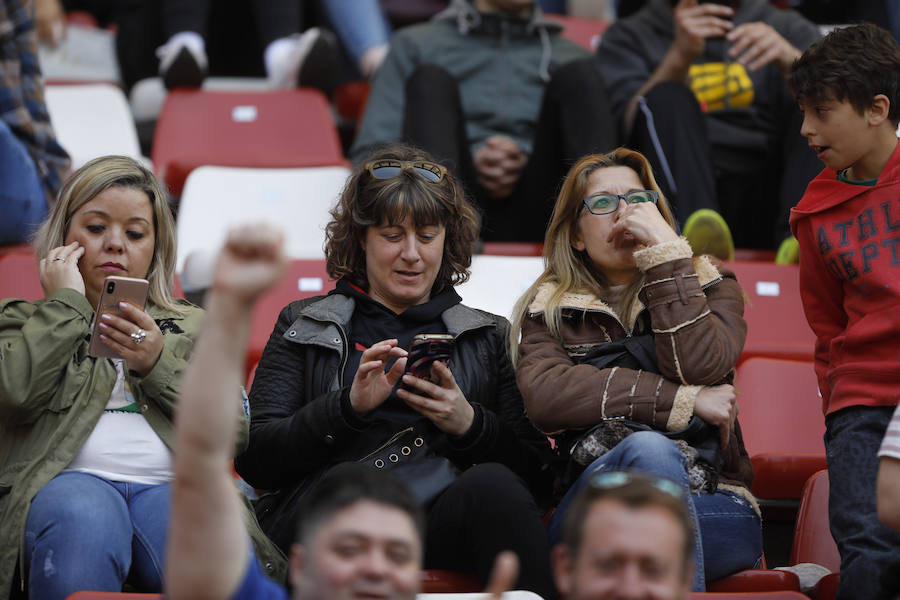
116 331
717 405
60 269
371 385
643 223
442 403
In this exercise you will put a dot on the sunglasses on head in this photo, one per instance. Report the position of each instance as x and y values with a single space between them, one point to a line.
605 203
615 479
386 169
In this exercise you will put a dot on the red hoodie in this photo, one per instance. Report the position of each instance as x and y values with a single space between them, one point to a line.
850 285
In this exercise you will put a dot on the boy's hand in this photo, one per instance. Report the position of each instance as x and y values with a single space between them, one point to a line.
757 44
503 575
251 262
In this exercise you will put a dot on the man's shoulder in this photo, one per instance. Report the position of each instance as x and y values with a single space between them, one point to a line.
256 586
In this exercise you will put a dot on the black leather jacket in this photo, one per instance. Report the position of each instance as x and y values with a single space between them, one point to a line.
302 422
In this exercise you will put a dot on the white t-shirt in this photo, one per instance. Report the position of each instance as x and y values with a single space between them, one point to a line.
890 445
123 446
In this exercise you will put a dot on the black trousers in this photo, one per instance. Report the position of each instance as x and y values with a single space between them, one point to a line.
488 509
671 130
574 120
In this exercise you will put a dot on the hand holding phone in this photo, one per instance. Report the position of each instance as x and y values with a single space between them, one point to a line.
424 350
434 393
117 327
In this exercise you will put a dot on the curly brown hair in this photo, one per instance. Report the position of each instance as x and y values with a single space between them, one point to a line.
367 201
853 63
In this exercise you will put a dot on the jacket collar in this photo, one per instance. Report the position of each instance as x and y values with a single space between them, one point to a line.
586 300
337 309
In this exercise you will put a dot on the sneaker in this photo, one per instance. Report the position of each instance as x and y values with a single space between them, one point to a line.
788 252
311 60
182 61
708 233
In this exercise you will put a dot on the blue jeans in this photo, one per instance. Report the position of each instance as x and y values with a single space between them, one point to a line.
86 533
360 24
728 532
22 201
869 550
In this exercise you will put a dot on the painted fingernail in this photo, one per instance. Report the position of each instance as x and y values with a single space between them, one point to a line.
104 326
123 305
106 317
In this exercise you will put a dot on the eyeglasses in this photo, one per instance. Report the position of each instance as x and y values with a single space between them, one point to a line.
386 169
615 479
605 203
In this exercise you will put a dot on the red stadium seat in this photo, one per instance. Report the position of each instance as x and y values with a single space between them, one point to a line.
812 537
513 248
277 129
756 581
776 325
305 278
782 595
782 424
19 276
436 581
91 595
582 31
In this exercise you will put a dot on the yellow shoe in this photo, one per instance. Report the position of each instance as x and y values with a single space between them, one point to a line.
788 252
708 233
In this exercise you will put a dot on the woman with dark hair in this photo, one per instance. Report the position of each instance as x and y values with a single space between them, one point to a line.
625 338
331 388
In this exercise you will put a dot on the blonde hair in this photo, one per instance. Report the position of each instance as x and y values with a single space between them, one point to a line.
93 178
572 270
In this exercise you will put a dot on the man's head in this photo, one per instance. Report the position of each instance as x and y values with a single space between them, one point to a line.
360 535
626 536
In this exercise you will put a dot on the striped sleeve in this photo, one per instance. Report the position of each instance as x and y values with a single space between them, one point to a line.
890 446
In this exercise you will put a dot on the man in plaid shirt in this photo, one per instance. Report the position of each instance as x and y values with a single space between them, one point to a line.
32 163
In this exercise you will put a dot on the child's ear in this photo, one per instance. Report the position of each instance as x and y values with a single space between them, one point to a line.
879 110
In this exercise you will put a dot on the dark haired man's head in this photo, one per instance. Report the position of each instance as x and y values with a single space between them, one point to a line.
853 64
360 534
626 536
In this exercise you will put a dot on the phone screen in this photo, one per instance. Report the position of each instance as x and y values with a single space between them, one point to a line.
424 350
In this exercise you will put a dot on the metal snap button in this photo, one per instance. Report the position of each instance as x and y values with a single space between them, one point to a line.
418 442
336 340
405 450
394 458
292 333
379 464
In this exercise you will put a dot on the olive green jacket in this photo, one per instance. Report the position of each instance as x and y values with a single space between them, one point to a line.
52 393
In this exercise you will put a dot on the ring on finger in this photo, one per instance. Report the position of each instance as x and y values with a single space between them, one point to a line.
138 336
56 258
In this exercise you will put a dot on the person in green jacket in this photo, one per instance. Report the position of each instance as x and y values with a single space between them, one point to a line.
85 442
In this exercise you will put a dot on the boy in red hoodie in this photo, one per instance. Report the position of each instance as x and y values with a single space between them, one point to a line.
848 226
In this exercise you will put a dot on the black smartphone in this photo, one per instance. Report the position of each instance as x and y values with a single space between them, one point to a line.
424 350
116 289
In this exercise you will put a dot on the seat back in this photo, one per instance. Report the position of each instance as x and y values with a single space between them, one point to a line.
218 198
92 120
776 324
274 129
497 282
19 276
304 278
782 424
812 536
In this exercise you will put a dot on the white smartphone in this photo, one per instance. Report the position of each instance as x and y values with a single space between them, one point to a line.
115 290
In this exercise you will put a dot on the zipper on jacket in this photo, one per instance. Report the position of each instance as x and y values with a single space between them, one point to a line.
393 439
344 355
